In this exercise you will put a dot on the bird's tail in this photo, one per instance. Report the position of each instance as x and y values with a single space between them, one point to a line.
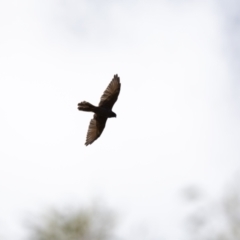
86 106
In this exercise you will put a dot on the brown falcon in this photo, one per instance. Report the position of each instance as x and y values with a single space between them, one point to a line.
103 111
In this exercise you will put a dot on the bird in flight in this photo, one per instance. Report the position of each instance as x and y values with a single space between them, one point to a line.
103 111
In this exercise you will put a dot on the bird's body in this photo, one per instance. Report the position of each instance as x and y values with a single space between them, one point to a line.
103 111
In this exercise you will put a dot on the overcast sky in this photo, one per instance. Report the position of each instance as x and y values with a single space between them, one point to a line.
177 125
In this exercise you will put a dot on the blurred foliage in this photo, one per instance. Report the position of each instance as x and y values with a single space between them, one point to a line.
219 220
93 223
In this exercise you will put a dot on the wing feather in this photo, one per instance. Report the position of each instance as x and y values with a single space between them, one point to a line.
110 95
95 129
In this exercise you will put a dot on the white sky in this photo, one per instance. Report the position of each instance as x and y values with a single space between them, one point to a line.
177 119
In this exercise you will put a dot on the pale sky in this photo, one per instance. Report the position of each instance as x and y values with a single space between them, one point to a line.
177 125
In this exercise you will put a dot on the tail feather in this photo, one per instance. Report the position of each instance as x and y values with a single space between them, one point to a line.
86 106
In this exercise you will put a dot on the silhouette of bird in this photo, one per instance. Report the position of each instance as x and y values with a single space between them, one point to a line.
103 111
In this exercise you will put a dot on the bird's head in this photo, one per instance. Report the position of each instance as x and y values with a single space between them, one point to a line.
113 114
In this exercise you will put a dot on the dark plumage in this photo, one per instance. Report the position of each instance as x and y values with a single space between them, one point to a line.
103 111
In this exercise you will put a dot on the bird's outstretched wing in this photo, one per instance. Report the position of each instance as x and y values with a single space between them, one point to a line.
95 129
110 95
